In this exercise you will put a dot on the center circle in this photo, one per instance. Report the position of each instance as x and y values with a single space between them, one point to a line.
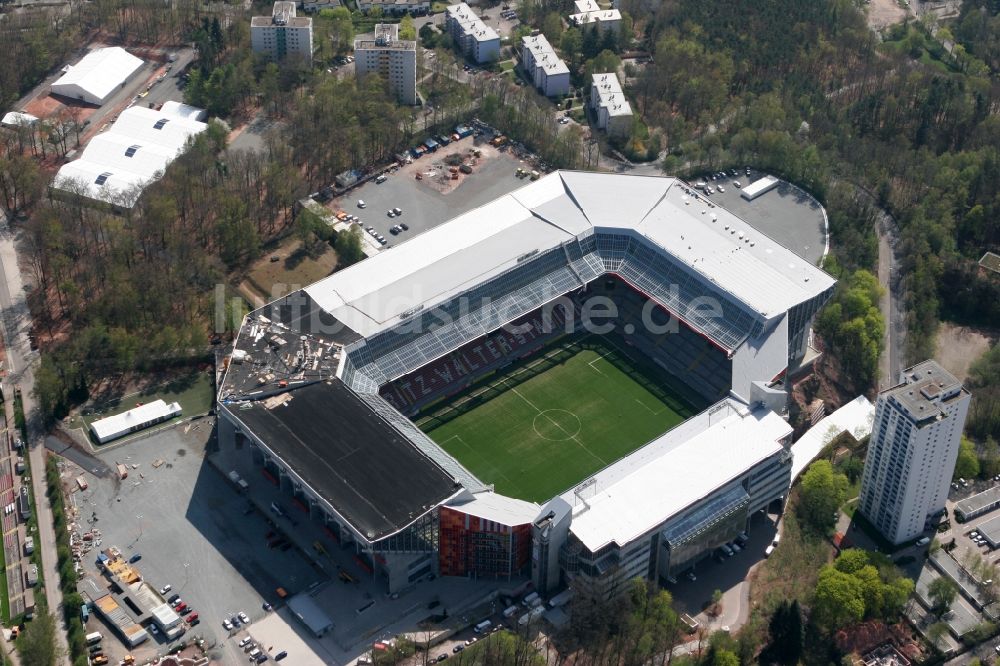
556 425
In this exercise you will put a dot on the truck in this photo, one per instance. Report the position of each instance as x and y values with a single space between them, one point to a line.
29 545
81 483
530 616
122 471
510 611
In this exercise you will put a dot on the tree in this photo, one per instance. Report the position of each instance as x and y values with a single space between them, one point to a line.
552 27
349 247
838 601
571 44
428 36
716 602
852 324
407 30
941 592
37 644
967 463
823 491
786 635
725 658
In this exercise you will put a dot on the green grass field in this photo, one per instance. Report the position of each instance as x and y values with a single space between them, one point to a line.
538 429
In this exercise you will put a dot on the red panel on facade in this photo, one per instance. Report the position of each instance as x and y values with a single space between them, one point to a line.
473 546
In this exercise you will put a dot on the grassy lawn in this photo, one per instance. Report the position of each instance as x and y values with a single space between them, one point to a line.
193 391
293 269
552 422
438 7
507 65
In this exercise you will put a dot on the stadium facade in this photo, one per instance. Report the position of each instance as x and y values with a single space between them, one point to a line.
322 384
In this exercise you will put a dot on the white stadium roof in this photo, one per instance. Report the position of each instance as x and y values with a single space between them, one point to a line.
683 466
453 257
97 75
116 165
855 417
498 508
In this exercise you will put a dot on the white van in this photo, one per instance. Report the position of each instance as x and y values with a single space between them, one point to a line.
769 550
923 541
93 638
482 626
510 611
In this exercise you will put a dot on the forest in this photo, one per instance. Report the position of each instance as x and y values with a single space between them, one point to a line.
807 90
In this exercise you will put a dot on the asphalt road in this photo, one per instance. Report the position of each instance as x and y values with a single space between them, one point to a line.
16 324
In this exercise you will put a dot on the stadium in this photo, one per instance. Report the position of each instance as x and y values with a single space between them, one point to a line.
580 381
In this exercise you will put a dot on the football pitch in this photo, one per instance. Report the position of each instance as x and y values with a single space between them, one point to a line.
537 429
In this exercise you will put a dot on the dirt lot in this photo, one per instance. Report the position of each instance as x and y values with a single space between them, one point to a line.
294 268
959 346
883 13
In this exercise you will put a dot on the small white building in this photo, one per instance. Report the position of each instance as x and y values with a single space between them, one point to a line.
184 111
133 420
97 76
478 42
589 13
545 69
613 111
16 119
282 34
393 59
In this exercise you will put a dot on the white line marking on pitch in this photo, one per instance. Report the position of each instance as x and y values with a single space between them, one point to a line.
649 409
556 424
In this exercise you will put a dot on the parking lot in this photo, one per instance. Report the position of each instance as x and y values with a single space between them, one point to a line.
787 214
423 206
193 532
726 574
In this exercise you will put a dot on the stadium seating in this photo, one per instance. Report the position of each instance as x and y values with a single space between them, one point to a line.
455 371
693 359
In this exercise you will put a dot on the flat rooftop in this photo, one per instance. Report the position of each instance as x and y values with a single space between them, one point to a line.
609 94
925 391
674 472
472 25
435 266
979 501
377 480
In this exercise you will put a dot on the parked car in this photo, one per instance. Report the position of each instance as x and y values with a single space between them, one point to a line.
135 558
173 599
361 203
165 589
403 227
281 655
227 625
244 618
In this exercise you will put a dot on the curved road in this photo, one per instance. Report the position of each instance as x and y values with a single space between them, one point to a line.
16 324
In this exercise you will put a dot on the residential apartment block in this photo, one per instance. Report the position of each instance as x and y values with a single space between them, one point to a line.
914 444
397 7
478 41
613 112
545 69
282 34
589 13
393 59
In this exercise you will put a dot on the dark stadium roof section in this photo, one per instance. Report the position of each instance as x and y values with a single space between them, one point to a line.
272 357
378 481
303 315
